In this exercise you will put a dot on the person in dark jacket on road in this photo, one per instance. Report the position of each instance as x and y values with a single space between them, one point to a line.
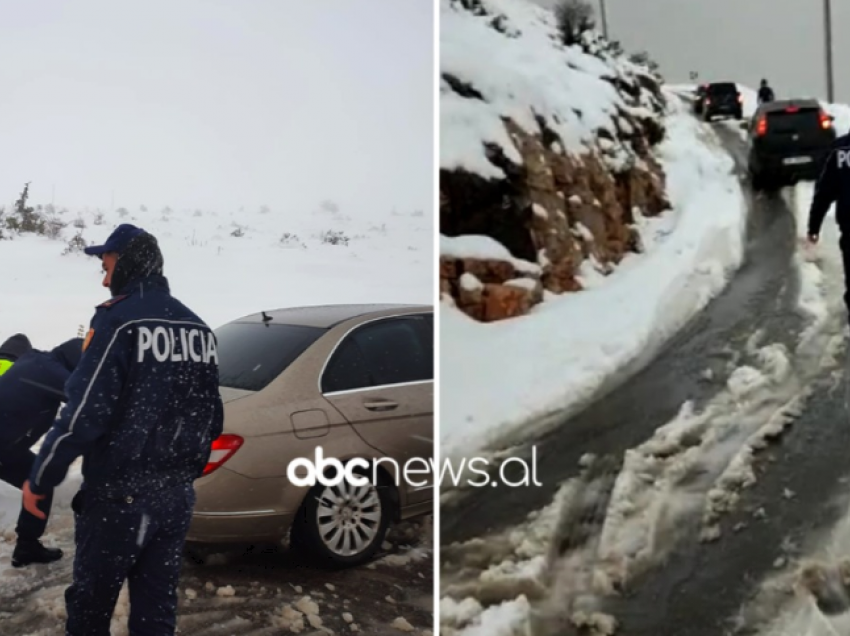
833 186
143 409
765 95
31 392
12 349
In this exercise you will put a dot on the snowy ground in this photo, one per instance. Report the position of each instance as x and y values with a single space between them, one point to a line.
691 252
279 261
690 472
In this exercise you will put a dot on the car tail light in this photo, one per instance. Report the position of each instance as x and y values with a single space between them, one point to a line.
825 121
761 126
707 100
223 448
740 99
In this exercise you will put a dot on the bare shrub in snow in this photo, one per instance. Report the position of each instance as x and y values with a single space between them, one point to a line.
24 218
417 213
238 232
642 58
333 237
575 17
198 213
76 244
291 240
54 226
79 223
99 218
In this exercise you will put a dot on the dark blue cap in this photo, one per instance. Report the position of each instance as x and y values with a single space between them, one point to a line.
117 241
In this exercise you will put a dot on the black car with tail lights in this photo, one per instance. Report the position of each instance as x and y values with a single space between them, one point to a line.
721 99
788 140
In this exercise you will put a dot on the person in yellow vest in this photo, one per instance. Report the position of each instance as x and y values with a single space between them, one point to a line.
12 349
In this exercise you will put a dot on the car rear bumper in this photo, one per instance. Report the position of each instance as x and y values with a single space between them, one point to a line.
779 166
724 109
230 507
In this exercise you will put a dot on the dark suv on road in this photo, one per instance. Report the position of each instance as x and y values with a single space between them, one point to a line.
722 98
788 141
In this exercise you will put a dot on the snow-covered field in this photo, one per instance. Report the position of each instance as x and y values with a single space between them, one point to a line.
280 260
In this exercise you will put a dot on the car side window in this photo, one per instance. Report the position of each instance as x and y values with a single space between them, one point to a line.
385 352
347 369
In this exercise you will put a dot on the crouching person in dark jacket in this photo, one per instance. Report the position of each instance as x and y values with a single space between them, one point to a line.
143 409
31 392
12 349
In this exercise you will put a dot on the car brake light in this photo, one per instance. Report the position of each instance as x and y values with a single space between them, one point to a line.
740 99
792 109
223 448
825 121
761 126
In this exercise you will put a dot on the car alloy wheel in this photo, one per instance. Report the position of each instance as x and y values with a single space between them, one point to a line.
348 518
344 525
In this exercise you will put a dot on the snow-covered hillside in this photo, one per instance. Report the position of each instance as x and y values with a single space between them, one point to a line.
222 263
613 125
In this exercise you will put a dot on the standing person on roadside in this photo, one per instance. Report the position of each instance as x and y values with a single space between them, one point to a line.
12 349
765 93
31 392
833 186
143 409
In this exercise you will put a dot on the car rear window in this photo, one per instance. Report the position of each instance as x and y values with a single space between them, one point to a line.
251 355
717 89
799 121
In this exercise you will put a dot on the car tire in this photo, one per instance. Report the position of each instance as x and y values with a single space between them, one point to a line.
365 519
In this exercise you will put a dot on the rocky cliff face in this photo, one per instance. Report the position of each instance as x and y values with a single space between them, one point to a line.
557 207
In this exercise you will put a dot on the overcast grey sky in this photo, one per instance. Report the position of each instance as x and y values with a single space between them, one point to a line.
742 40
218 103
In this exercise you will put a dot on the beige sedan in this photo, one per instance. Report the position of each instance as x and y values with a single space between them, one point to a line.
353 382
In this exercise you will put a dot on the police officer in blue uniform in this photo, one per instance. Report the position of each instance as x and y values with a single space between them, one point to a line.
31 392
143 409
833 186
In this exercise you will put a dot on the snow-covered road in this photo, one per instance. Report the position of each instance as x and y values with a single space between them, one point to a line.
257 592
691 502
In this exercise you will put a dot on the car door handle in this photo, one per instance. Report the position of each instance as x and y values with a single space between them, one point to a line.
381 405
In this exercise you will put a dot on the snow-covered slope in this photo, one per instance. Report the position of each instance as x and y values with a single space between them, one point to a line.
500 378
278 258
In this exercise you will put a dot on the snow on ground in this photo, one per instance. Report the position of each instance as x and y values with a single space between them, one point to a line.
691 251
280 261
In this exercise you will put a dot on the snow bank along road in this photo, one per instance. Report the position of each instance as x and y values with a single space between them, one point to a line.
705 480
259 592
